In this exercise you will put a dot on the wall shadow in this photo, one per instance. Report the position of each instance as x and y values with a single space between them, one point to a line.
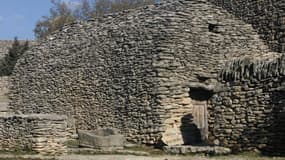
276 140
190 132
269 137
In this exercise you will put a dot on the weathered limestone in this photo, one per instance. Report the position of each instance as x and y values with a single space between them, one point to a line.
212 150
104 139
266 16
132 70
43 134
4 100
157 74
249 112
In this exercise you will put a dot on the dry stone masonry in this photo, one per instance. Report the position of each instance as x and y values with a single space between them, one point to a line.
249 113
4 90
45 134
266 16
158 75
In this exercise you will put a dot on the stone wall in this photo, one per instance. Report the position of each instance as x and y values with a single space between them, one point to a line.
132 70
249 112
4 86
43 134
266 16
4 99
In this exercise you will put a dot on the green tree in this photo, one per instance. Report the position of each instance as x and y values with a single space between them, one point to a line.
9 61
102 7
60 14
65 12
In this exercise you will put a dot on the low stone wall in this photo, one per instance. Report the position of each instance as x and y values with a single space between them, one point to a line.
4 86
43 134
249 111
4 100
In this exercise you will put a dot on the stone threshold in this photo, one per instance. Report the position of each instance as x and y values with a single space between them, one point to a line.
98 151
187 149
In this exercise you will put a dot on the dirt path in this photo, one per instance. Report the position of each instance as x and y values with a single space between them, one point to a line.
130 157
127 157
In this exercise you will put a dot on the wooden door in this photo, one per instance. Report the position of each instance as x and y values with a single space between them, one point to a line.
200 118
194 126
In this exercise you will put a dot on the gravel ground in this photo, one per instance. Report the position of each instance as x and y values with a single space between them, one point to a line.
131 157
128 157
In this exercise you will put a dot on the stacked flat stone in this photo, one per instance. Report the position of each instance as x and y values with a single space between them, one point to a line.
45 134
249 113
131 70
4 100
266 16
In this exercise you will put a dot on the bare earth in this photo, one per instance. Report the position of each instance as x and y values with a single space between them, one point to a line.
132 157
128 157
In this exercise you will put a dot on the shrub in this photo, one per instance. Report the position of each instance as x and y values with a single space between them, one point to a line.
9 61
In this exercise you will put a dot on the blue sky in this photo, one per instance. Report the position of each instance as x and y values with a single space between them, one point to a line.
18 17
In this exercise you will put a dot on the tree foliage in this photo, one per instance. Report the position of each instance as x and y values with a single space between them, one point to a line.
60 14
64 12
9 61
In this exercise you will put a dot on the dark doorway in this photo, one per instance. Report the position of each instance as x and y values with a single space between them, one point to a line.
194 126
190 132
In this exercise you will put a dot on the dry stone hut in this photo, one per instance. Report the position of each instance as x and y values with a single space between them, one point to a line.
154 73
266 16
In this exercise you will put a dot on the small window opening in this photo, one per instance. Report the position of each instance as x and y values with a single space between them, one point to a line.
215 28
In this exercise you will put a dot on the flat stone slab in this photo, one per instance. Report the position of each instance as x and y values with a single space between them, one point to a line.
97 151
215 150
104 139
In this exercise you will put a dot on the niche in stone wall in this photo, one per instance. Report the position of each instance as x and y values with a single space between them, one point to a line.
216 28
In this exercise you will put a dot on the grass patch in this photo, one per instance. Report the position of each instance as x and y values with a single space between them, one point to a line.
246 156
